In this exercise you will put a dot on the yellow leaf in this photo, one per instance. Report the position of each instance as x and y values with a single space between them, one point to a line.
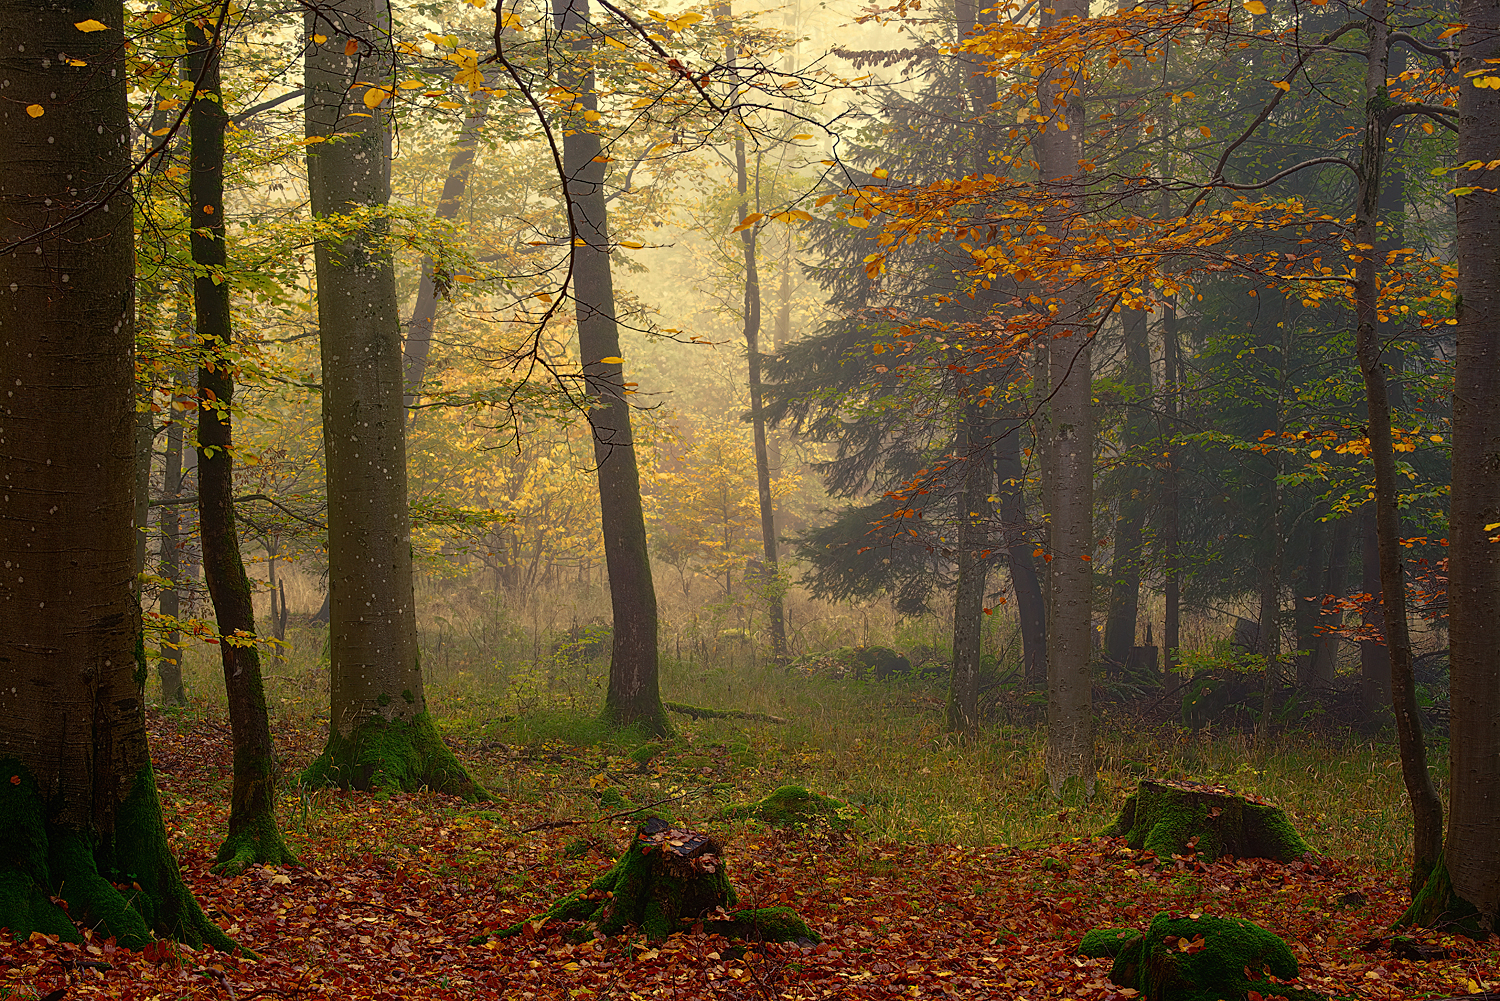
1255 7
859 222
800 215
592 116
748 221
76 62
1491 527
464 279
614 43
1315 452
882 173
801 135
632 244
376 96
612 360
1452 30
448 40
1205 130
319 39
476 3
1282 85
91 25
822 200
1427 128
35 110
411 85
1435 437
449 104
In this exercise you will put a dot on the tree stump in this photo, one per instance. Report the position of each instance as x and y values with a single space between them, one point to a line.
1197 959
1180 818
669 880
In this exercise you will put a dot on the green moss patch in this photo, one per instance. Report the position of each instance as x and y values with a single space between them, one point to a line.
1181 818
1198 959
1438 906
794 806
392 756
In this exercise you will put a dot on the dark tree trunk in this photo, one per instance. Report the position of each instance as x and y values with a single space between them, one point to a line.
379 734
1307 607
77 791
1171 637
968 598
1031 608
1326 643
418 343
634 695
1467 880
169 664
1374 657
1134 493
253 833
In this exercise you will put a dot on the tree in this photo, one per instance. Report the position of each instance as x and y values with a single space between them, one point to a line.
253 833
1465 884
634 695
379 732
77 789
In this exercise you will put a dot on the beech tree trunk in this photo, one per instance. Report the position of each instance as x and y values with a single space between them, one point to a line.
1130 522
968 598
169 524
634 695
253 833
1171 634
1070 712
77 791
1467 880
1031 609
379 732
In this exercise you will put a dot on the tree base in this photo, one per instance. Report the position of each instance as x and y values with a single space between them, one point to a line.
1225 959
258 844
38 859
392 756
1437 906
1179 818
667 881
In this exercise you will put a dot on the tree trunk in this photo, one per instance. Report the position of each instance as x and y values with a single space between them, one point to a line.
77 790
169 664
634 695
1374 657
1031 609
379 734
1307 606
253 832
418 343
968 597
1171 636
1326 643
1467 880
1125 578
1070 714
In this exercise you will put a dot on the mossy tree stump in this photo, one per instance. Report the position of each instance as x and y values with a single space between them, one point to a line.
1197 959
669 880
1179 818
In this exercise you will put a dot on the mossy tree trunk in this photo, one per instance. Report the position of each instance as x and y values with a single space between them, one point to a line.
253 833
634 693
77 793
379 732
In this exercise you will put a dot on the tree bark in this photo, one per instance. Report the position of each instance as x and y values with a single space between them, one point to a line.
1031 609
1125 577
1171 635
1467 880
1326 642
418 344
379 732
253 833
634 695
77 789
169 664
968 597
1070 714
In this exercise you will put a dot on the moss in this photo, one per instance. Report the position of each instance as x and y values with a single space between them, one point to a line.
1225 959
392 756
1436 905
254 836
383 700
765 924
1163 818
794 806
644 754
127 886
408 696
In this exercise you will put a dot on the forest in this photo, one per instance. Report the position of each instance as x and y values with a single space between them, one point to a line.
573 500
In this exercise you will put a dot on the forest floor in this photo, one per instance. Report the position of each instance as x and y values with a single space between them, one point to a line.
390 891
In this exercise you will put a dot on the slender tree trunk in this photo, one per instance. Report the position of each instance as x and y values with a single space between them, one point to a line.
771 583
380 735
1427 808
634 695
253 833
1031 609
169 665
418 343
1326 644
968 598
1070 714
1171 637
77 791
1125 586
1307 607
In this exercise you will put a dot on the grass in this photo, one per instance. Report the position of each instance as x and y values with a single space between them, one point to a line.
529 728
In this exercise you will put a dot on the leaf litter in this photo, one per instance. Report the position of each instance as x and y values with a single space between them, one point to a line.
392 891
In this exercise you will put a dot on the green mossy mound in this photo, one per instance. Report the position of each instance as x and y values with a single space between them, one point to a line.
793 806
1163 817
38 859
1197 959
392 756
669 880
1437 906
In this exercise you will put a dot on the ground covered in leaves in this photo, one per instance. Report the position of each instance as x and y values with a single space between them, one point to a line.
390 893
